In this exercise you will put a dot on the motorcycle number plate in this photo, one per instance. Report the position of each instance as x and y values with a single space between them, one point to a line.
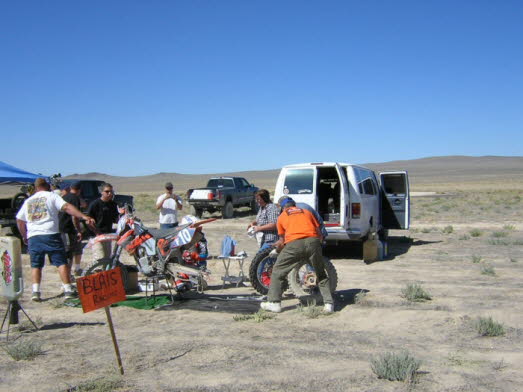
184 237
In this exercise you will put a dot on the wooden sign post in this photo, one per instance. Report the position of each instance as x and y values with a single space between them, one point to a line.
99 291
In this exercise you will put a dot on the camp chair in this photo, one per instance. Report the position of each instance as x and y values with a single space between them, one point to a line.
227 255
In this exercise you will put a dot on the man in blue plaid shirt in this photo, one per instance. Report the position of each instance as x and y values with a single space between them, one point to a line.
266 219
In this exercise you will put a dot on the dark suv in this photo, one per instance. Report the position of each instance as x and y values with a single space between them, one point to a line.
91 191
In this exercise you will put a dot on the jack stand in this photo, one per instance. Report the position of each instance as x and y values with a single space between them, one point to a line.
12 312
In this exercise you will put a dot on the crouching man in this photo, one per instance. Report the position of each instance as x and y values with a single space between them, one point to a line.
37 222
300 238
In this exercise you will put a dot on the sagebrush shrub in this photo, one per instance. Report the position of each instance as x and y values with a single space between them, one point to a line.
487 269
395 366
260 316
448 229
486 326
475 233
102 384
415 293
476 259
24 349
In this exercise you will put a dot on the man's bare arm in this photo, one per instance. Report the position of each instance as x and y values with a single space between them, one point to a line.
22 228
160 203
75 212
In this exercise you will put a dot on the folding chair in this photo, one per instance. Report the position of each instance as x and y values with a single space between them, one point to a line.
226 256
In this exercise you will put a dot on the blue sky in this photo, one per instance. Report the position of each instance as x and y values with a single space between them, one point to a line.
141 87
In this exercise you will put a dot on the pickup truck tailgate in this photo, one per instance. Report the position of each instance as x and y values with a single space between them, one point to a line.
200 194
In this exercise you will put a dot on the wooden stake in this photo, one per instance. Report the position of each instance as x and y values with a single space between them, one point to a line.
113 336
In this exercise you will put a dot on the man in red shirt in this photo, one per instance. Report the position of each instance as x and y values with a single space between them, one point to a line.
300 238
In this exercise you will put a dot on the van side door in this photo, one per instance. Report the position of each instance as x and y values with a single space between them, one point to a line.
395 200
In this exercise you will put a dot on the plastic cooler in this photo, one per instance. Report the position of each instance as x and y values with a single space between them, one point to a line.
11 279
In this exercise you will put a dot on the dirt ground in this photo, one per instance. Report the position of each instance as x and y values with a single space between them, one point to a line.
470 261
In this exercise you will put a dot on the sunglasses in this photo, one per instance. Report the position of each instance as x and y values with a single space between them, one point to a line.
108 191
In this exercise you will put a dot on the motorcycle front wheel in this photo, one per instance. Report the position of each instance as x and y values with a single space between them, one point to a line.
105 265
304 281
260 271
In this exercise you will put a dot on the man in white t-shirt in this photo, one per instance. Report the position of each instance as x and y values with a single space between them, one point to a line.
37 222
168 204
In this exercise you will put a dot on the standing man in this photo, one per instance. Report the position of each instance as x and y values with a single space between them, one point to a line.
265 223
300 238
168 204
105 212
37 222
71 229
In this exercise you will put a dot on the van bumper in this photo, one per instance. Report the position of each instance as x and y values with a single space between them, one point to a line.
343 235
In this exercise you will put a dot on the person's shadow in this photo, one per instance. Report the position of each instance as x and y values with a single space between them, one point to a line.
397 246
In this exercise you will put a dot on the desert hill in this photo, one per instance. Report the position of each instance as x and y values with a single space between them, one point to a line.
424 171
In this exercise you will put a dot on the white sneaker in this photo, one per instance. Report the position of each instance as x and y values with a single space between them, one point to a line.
328 308
274 307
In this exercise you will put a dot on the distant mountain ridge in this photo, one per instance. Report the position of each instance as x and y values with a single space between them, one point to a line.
424 170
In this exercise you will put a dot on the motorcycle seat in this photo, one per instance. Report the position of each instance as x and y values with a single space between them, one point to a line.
165 233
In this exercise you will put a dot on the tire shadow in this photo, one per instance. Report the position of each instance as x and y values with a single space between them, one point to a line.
397 246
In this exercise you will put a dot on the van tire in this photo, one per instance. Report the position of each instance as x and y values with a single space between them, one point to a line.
298 288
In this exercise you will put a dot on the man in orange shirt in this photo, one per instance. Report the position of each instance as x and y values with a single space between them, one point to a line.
300 238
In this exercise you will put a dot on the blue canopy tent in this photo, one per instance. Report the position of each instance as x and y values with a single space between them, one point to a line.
12 175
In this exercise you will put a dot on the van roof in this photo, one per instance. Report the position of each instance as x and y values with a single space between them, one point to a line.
319 164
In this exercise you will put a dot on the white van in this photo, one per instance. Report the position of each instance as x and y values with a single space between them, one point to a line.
353 200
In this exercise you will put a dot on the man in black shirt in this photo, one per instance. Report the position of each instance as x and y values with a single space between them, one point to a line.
105 211
71 230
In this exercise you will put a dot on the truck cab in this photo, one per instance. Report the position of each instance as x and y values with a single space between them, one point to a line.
354 201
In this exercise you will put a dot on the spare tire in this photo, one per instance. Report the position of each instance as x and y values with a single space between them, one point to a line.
298 279
18 200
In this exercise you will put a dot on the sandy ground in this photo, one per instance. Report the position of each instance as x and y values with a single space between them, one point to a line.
181 349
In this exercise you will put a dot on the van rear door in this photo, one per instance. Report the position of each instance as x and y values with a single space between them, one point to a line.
344 197
395 200
299 183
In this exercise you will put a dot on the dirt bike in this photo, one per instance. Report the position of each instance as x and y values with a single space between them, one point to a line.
157 253
302 279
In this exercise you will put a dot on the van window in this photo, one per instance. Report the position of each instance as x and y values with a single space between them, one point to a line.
365 181
299 181
394 184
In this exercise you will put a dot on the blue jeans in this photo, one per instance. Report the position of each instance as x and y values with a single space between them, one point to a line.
168 225
50 244
266 245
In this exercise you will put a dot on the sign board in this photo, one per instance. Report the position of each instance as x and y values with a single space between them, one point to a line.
11 279
101 289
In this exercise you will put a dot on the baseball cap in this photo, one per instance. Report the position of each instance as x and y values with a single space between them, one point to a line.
284 200
168 185
75 185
